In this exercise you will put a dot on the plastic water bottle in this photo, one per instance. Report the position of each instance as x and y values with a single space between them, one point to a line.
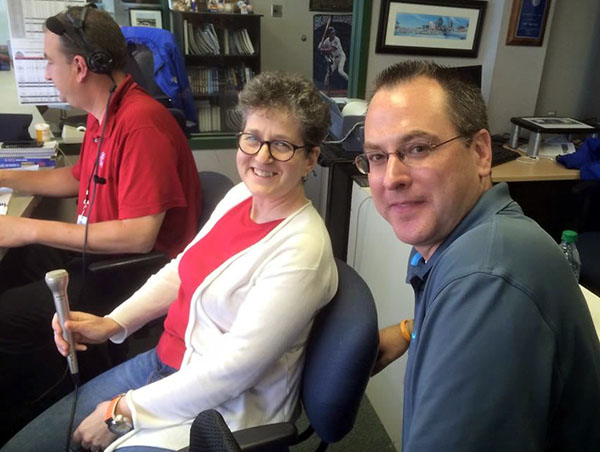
567 245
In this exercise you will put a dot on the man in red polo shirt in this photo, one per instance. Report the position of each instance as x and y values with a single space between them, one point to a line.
137 188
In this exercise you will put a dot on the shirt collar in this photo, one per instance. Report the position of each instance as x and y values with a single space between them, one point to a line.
116 99
490 203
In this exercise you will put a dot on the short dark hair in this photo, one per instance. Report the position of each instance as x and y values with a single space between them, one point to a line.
101 33
465 106
292 93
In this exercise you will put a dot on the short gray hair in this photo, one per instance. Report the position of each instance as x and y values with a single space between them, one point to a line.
292 93
465 107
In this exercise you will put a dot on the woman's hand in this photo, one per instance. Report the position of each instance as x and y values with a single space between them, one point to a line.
85 329
392 346
93 433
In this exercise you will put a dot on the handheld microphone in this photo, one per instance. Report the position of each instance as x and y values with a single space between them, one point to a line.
57 281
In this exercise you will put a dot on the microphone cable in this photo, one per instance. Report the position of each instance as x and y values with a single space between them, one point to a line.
97 180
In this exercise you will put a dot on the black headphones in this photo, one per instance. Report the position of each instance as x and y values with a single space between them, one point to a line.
98 60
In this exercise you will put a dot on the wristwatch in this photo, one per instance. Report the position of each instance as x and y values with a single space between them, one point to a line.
117 423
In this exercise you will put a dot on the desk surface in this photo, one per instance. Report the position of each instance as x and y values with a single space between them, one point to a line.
527 170
20 205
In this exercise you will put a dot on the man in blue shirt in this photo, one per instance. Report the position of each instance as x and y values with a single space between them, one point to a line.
503 353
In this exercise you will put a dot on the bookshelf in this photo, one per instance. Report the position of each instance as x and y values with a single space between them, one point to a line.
221 52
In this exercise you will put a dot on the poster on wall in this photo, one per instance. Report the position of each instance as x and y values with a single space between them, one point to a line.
26 19
331 37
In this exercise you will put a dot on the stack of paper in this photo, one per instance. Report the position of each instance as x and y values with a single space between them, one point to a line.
44 156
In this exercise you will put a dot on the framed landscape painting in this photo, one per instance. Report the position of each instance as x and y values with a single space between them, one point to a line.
430 27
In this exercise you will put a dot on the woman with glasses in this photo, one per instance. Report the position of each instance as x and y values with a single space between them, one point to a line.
240 300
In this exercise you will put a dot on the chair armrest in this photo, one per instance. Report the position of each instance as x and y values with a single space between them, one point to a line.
270 436
154 258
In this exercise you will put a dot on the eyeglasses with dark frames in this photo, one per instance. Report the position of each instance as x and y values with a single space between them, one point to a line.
411 154
280 150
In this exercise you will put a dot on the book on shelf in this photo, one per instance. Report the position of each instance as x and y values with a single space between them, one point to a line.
186 41
214 39
247 41
193 48
209 116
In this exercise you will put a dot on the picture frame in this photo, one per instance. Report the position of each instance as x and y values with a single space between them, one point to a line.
338 6
527 22
145 17
331 52
431 27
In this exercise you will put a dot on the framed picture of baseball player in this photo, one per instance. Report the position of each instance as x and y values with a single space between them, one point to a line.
331 37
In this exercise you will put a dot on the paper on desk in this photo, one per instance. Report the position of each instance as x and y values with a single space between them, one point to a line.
5 194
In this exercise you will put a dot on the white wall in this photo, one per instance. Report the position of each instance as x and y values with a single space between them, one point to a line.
570 84
486 55
282 47
219 160
511 74
516 77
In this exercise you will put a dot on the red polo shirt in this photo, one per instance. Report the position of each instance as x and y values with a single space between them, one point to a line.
148 167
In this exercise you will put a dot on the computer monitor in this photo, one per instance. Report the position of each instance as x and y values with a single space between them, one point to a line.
337 120
15 126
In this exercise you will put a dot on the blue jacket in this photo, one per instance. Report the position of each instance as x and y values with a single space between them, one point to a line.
586 158
169 68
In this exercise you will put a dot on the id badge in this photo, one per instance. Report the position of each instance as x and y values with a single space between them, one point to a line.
81 219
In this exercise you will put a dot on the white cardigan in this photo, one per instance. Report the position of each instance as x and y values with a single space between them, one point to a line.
245 339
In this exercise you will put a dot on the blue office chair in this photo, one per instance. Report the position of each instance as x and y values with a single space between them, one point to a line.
158 66
132 270
341 351
214 187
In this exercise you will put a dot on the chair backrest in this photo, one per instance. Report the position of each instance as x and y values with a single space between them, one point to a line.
160 60
214 187
140 64
210 433
340 356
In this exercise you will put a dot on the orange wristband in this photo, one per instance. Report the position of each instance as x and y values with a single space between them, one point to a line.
404 329
112 407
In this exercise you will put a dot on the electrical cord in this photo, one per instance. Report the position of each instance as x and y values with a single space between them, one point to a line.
72 416
60 151
360 123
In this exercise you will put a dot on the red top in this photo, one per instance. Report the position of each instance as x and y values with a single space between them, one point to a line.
233 233
148 167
